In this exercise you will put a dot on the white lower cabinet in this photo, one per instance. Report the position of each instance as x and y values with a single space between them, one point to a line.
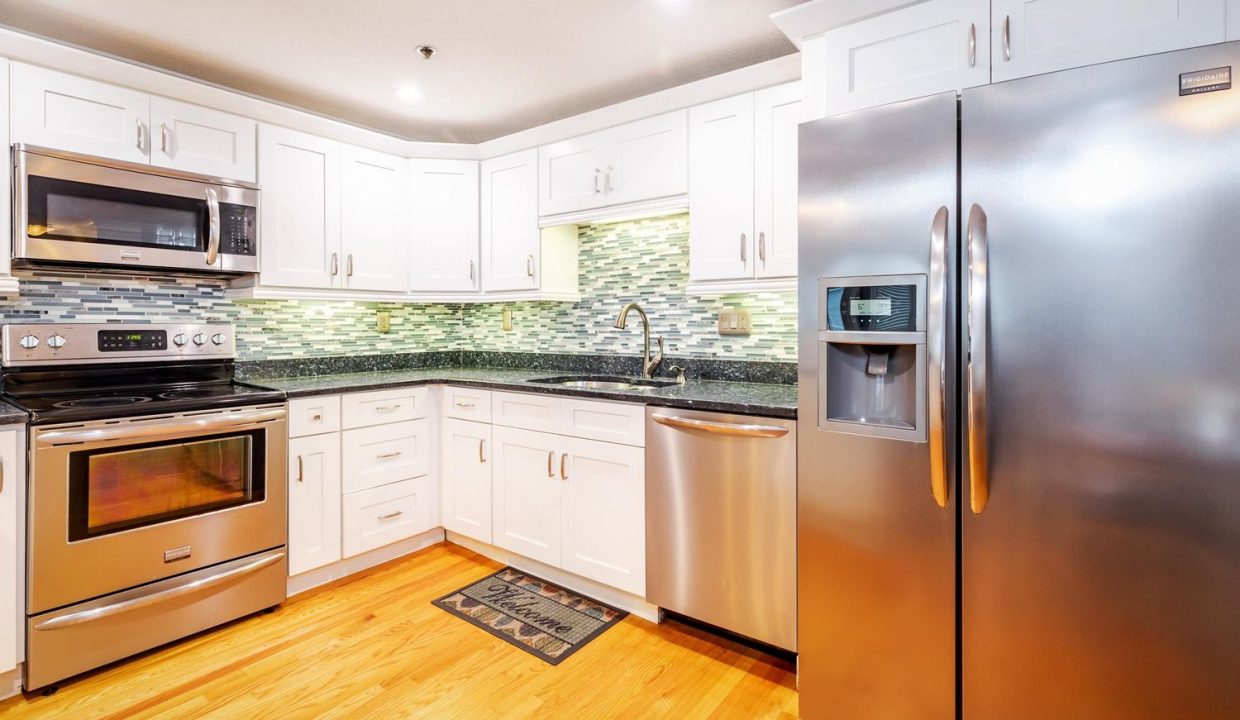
313 502
11 477
466 491
526 493
382 515
603 513
385 454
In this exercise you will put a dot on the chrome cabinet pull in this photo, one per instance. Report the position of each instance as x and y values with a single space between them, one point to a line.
937 350
141 135
99 613
529 265
1 474
471 270
563 469
317 417
762 247
972 44
719 428
482 450
348 265
597 172
213 226
1007 38
550 460
388 455
389 516
744 249
978 320
465 405
164 143
387 408
300 469
335 264
607 181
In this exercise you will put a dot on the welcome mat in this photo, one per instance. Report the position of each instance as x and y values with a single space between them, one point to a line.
543 619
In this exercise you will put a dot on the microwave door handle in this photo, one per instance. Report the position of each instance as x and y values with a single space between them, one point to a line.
213 226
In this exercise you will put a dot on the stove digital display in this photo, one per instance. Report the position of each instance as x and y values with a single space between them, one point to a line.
132 340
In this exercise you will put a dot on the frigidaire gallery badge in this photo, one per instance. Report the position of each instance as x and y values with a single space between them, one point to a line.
1204 81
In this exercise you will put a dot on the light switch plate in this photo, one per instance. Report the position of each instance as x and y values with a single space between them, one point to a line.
735 321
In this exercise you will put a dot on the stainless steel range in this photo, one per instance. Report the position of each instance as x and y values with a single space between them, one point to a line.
156 502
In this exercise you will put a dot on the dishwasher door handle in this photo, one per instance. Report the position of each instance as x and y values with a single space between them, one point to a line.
720 428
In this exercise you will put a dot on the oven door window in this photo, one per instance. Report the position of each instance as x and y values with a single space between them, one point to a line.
115 489
82 212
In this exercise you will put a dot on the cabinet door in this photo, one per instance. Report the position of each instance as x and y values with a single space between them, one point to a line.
510 235
443 210
300 219
647 159
721 189
10 480
926 48
777 114
197 139
570 174
313 502
1039 36
65 112
604 513
373 236
526 490
6 178
467 478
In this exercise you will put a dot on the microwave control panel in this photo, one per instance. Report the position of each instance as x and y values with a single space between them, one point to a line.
238 229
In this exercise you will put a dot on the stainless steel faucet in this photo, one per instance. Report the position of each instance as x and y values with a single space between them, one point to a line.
649 364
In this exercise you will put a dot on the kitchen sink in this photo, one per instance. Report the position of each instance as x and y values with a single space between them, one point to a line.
604 382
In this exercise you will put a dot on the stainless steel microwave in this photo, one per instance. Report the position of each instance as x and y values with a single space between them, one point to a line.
107 214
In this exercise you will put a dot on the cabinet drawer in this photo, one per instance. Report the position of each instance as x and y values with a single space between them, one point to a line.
467 404
528 412
313 415
383 406
373 518
384 454
608 421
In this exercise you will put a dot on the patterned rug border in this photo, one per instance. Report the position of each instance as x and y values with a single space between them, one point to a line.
620 615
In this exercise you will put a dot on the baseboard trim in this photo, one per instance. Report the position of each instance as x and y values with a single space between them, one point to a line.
343 568
591 588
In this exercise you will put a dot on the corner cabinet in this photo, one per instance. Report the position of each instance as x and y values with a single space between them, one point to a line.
1031 37
743 175
373 235
509 216
443 213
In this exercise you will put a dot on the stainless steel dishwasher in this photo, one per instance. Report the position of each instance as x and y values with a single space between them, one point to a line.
721 510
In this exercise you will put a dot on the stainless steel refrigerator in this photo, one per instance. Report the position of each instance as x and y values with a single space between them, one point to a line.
1019 425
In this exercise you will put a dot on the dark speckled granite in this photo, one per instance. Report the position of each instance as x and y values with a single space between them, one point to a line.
745 398
10 415
629 365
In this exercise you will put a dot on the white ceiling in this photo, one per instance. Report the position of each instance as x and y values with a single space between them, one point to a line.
501 66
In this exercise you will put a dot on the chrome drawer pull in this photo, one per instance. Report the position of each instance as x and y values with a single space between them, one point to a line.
466 405
391 515
387 408
386 455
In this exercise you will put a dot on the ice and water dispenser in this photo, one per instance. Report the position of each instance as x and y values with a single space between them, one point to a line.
872 356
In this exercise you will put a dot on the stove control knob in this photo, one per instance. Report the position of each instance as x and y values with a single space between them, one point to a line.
219 338
30 342
180 339
56 342
200 339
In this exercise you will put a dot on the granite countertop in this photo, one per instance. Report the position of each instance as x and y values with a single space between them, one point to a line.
10 415
713 395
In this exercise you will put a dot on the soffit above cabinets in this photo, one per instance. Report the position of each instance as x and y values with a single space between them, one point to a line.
500 67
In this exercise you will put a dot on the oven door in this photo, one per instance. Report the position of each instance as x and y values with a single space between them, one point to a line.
115 504
102 213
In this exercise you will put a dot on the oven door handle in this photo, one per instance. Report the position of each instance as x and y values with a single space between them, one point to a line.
99 613
174 426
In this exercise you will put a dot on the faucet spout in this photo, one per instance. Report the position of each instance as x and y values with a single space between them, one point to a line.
649 365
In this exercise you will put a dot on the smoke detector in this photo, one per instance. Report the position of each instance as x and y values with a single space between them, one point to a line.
426 51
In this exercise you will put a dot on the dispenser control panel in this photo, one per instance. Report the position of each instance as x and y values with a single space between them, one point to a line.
873 308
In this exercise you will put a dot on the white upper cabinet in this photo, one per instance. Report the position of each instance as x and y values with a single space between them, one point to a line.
509 216
721 189
639 161
443 214
7 283
926 48
1039 36
66 112
373 233
299 245
197 139
777 114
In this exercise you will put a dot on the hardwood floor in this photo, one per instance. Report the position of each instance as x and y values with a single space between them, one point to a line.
373 646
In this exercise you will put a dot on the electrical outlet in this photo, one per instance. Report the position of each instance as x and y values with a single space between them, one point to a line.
383 321
735 321
507 319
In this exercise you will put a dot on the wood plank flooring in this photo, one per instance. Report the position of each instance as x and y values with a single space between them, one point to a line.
373 646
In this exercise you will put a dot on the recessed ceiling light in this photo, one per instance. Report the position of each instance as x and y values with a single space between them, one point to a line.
409 94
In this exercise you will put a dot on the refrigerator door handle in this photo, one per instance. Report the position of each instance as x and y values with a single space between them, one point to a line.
979 319
937 349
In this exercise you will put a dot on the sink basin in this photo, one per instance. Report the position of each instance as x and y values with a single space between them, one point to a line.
604 382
